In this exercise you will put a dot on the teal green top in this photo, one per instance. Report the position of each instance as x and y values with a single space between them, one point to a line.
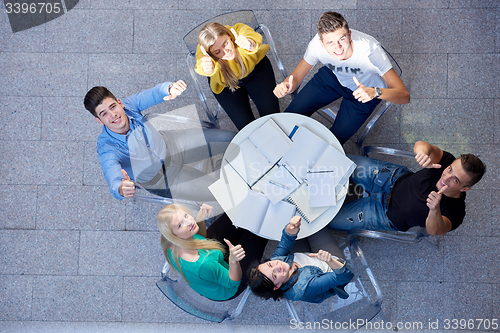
209 275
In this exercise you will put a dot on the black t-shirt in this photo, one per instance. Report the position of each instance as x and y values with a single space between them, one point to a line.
408 205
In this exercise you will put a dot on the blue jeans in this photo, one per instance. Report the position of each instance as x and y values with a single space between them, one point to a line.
369 213
325 88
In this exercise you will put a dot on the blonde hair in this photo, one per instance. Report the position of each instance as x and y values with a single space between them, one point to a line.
207 37
170 241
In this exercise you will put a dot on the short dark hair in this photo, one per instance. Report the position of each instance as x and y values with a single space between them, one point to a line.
474 167
94 98
331 21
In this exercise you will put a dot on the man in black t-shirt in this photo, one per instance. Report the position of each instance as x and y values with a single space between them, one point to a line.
399 199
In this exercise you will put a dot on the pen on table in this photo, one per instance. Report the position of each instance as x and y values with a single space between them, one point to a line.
320 171
278 184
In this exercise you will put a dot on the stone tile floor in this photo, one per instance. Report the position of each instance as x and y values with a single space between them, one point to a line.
74 259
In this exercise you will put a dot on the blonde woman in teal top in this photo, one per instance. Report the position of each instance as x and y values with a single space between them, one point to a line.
203 262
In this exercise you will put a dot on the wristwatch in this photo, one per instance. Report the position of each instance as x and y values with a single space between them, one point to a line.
378 92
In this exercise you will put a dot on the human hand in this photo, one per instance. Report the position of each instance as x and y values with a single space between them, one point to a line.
294 225
204 212
322 255
207 63
425 161
434 198
127 187
236 253
363 94
175 90
243 42
284 88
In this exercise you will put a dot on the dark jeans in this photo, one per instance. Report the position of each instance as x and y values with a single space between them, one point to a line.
253 245
259 85
325 88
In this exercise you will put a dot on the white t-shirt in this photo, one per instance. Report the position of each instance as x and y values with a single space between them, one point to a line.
304 260
368 62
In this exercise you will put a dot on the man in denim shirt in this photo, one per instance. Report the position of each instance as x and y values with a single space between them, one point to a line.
131 149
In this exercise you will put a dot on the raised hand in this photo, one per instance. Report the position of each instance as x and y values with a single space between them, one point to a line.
175 90
284 88
425 161
294 225
243 42
434 198
322 255
127 187
207 63
363 94
236 253
204 212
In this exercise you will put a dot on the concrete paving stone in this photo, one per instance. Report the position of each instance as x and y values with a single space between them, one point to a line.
467 301
469 259
79 208
20 118
39 252
92 172
141 216
490 157
495 296
495 227
119 327
54 74
128 74
484 70
422 302
496 114
31 162
15 297
390 296
290 30
479 214
424 75
155 33
36 327
73 32
466 121
65 113
18 207
132 253
435 31
31 40
379 4
144 302
473 4
377 23
77 298
416 262
134 4
229 327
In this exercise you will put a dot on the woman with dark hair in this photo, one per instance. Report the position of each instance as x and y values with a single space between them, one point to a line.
309 277
234 59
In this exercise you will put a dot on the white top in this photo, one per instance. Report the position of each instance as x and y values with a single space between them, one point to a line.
303 259
368 62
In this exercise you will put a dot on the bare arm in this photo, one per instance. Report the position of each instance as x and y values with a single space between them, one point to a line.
236 253
436 224
397 92
293 81
427 155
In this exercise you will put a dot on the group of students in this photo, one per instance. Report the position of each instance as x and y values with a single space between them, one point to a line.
219 262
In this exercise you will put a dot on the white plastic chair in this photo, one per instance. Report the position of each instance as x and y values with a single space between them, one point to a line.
379 111
177 290
364 302
191 39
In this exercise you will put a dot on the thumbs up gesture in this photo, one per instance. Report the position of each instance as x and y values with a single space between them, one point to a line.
236 253
127 187
207 63
363 94
284 88
425 161
243 42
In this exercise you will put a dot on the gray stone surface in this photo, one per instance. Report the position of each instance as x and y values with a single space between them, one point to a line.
74 259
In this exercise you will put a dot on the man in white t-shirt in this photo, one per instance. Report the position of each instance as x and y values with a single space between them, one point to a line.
356 68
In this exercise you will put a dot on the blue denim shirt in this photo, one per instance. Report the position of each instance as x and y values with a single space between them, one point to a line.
312 284
113 149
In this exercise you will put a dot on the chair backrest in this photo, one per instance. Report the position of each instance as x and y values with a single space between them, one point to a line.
180 293
364 302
